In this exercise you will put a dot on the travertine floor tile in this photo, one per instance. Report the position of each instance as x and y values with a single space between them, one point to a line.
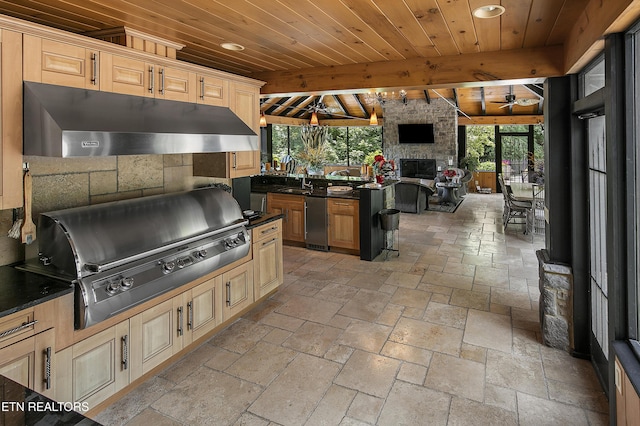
220 398
465 412
438 338
294 394
409 404
332 407
262 363
488 330
364 335
456 376
369 373
536 411
514 372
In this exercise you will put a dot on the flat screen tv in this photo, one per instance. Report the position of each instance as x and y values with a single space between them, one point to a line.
415 133
421 168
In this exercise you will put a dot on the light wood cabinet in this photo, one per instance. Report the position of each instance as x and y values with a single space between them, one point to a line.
30 362
204 309
10 119
156 335
212 90
267 258
238 290
53 62
95 368
130 76
292 207
344 223
484 180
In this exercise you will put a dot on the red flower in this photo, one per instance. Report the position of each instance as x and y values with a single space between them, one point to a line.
378 158
449 173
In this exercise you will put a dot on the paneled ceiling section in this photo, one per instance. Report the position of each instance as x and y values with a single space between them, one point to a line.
349 43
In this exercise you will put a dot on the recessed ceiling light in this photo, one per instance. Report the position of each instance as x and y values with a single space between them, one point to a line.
232 46
489 11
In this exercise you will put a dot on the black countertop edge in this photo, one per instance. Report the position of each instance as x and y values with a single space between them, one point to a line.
629 361
20 289
264 218
24 406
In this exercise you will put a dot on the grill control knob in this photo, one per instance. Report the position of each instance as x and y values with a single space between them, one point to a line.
200 254
184 261
168 266
112 287
126 283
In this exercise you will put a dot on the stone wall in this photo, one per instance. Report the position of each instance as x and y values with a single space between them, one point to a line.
445 125
556 302
60 183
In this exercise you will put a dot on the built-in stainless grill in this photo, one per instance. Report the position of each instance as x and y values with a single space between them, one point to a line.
123 253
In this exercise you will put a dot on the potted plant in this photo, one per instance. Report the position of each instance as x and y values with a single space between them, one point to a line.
314 154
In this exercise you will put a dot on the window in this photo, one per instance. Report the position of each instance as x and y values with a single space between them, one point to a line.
348 146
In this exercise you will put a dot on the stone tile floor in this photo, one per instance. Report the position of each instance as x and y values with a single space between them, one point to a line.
446 333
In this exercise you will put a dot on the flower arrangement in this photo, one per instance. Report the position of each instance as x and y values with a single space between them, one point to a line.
383 168
449 173
314 154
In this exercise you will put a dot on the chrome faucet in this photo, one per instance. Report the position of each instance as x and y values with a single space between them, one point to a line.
306 185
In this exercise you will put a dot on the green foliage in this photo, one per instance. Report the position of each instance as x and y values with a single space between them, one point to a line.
362 141
487 166
369 159
481 143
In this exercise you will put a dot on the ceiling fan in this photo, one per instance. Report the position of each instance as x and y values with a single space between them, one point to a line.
511 101
319 107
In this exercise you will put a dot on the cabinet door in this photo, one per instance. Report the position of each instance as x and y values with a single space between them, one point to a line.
344 223
292 207
244 102
267 263
204 309
156 335
48 61
94 369
10 120
18 362
119 74
238 290
212 91
175 84
244 163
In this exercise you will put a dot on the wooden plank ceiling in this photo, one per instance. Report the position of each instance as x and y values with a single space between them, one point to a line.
283 38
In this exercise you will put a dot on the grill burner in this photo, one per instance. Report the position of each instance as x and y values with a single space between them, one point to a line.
122 254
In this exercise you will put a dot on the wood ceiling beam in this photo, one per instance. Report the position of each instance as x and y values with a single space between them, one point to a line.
483 101
343 107
585 39
361 105
500 119
474 69
276 105
308 101
427 97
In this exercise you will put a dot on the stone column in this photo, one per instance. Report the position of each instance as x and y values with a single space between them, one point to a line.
556 302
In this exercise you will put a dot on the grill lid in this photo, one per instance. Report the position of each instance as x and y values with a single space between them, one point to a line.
82 241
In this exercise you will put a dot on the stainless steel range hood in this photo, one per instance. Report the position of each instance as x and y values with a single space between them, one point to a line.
68 122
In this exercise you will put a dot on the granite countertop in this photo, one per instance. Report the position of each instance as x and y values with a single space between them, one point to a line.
23 406
263 218
20 290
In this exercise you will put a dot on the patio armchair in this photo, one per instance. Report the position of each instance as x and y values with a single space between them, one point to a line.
413 197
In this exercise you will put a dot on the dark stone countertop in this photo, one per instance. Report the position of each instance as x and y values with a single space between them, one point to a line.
23 406
263 218
20 290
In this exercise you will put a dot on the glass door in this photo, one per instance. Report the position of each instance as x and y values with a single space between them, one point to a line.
596 143
515 158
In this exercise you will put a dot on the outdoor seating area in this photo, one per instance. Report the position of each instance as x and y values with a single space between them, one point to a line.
523 204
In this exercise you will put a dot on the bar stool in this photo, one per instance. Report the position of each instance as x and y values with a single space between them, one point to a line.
390 222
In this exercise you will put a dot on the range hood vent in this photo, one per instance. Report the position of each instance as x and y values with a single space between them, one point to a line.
68 122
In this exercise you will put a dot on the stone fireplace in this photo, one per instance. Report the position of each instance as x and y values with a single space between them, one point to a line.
445 123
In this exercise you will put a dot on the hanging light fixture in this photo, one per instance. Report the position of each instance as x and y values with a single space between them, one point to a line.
373 118
314 119
263 119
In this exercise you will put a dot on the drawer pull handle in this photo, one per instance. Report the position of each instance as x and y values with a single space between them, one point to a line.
190 316
266 243
94 61
125 351
180 331
152 77
228 301
202 88
47 368
266 231
18 328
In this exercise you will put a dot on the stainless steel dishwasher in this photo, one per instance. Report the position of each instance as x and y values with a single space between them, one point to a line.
315 223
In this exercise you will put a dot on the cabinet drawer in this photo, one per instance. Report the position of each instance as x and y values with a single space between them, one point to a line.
17 326
268 230
341 206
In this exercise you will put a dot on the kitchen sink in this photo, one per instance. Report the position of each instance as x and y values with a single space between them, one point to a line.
298 191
